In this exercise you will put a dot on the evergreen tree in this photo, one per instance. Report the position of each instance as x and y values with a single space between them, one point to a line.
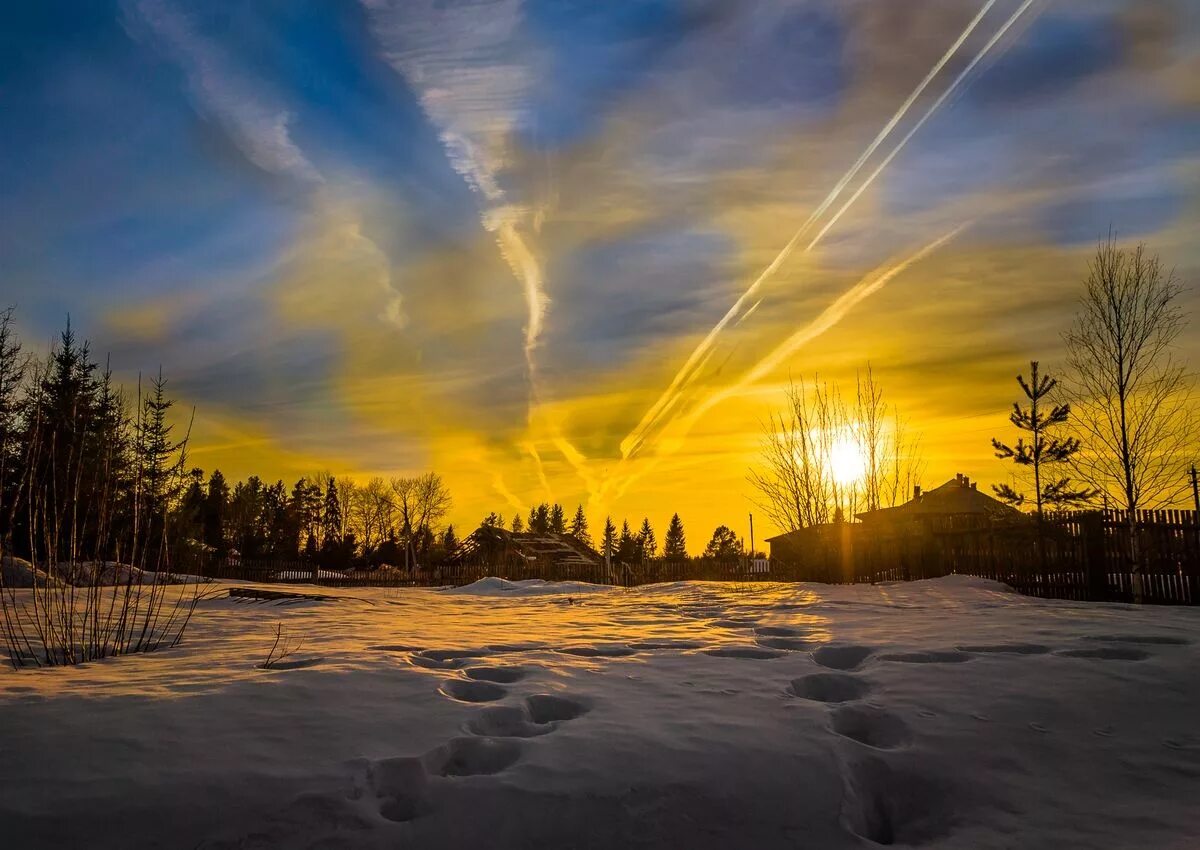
12 375
216 503
159 458
517 525
724 544
332 528
579 527
647 541
558 524
1043 449
675 543
449 539
608 544
493 520
627 547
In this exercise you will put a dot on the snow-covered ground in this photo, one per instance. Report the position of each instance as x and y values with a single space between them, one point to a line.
945 713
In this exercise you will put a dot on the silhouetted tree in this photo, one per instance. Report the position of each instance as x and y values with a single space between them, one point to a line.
675 543
723 545
13 364
332 525
627 545
1040 420
518 525
647 542
1131 395
579 527
449 539
212 521
493 520
558 523
608 543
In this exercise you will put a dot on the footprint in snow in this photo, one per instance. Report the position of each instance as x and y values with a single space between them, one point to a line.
470 690
829 687
870 726
842 657
1106 653
755 652
499 675
932 656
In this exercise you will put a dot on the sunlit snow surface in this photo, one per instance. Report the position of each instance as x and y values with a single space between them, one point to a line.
947 713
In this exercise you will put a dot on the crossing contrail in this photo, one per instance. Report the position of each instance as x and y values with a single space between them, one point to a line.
824 321
687 373
966 72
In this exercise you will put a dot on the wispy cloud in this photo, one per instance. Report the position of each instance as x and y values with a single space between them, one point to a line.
463 61
259 128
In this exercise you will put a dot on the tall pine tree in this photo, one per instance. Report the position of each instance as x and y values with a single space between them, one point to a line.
647 542
675 543
579 527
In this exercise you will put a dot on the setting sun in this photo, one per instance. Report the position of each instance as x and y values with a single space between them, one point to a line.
846 460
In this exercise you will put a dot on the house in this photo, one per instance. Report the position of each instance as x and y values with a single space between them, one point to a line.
957 505
492 546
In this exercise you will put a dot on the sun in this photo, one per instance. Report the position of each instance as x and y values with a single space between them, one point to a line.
846 461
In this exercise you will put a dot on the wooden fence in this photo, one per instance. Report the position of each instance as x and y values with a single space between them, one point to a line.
1082 555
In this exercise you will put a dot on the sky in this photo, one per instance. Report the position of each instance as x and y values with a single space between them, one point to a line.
560 250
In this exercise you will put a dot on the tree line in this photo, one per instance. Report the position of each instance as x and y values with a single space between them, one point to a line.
625 545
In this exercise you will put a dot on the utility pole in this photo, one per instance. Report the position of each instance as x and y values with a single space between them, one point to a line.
1195 490
752 518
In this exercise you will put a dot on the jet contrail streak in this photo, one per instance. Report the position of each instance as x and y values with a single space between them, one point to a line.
827 319
921 121
692 366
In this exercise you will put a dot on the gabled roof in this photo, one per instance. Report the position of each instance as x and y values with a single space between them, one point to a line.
543 548
957 497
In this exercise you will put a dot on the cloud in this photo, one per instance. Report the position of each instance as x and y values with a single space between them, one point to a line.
259 128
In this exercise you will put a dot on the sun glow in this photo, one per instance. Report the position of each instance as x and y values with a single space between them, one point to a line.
847 462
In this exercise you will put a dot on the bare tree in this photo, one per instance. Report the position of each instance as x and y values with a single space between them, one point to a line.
797 487
1129 393
421 503
891 456
372 513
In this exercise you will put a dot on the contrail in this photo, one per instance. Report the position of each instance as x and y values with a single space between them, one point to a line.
690 368
920 122
827 319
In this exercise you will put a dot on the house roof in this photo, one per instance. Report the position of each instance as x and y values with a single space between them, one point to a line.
958 496
548 547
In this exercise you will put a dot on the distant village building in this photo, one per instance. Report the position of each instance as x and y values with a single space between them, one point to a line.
957 505
494 546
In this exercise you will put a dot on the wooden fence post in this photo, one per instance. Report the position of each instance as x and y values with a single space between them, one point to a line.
1091 525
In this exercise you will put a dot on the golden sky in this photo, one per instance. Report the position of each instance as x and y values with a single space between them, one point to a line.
488 237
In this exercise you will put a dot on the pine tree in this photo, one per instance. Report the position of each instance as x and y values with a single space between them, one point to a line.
159 458
608 544
647 542
12 374
517 525
449 539
216 503
675 543
558 524
1043 450
579 527
332 531
627 545
493 520
723 545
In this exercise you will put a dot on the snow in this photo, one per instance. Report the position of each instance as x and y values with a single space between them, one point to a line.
945 713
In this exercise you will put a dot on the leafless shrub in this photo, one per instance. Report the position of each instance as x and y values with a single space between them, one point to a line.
283 646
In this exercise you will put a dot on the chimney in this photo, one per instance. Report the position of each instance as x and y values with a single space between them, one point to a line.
966 481
958 478
973 487
916 491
